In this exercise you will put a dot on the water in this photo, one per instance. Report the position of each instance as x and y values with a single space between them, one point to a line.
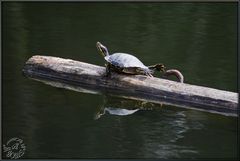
199 39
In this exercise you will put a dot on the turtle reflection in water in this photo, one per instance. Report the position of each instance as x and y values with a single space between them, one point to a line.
115 111
129 64
122 107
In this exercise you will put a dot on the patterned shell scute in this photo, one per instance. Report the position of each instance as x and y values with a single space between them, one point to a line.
124 60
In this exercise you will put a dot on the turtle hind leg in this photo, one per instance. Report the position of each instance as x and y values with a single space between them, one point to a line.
159 67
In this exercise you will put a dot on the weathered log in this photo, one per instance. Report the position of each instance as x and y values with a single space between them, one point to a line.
140 87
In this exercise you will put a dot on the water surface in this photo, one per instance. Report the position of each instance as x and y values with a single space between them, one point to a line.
199 39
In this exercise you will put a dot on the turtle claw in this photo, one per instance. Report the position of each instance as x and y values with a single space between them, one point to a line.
149 75
107 75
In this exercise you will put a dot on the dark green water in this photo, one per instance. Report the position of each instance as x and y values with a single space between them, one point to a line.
199 39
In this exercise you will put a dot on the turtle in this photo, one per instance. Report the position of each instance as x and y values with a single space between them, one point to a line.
126 63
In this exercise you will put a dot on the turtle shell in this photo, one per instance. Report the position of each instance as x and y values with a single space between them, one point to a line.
124 60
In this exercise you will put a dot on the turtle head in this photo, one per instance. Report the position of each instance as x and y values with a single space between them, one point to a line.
102 49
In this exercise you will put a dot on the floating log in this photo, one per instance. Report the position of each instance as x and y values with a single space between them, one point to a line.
79 74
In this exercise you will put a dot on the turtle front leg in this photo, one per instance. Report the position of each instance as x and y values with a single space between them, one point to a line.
108 71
